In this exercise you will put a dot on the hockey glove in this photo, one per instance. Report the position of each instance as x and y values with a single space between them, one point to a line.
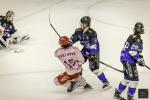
141 61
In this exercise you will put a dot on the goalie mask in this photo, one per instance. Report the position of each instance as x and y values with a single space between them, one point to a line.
139 28
64 41
9 15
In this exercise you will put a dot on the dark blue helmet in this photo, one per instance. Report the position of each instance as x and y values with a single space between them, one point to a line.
86 20
139 28
9 15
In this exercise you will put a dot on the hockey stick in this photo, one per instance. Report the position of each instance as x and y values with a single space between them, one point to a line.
111 67
53 26
10 49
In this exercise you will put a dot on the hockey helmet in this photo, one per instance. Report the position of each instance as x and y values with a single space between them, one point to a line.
9 15
86 20
139 28
64 40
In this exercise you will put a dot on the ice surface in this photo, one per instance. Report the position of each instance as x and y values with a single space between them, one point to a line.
29 75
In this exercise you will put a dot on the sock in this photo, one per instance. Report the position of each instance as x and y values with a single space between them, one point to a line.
121 88
131 91
103 78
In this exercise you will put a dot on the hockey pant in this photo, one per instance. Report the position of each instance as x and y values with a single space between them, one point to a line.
94 65
93 59
130 71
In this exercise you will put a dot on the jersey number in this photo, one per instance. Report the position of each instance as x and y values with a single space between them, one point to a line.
71 62
126 45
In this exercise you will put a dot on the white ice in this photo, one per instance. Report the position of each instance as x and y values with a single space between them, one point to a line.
29 75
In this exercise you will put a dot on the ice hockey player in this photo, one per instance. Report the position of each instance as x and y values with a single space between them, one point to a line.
72 59
9 29
91 49
130 56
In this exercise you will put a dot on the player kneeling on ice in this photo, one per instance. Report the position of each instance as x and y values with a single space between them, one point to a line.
72 59
130 56
8 35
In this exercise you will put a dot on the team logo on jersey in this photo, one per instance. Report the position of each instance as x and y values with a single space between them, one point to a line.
133 53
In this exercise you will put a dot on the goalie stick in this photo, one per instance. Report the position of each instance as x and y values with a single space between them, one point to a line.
111 67
10 49
53 26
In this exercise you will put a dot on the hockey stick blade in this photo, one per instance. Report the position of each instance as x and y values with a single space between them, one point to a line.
111 67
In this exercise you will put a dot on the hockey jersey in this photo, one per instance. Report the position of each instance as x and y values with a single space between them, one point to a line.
87 38
132 49
71 58
9 27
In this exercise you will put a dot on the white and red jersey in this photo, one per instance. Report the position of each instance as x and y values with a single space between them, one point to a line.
71 58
